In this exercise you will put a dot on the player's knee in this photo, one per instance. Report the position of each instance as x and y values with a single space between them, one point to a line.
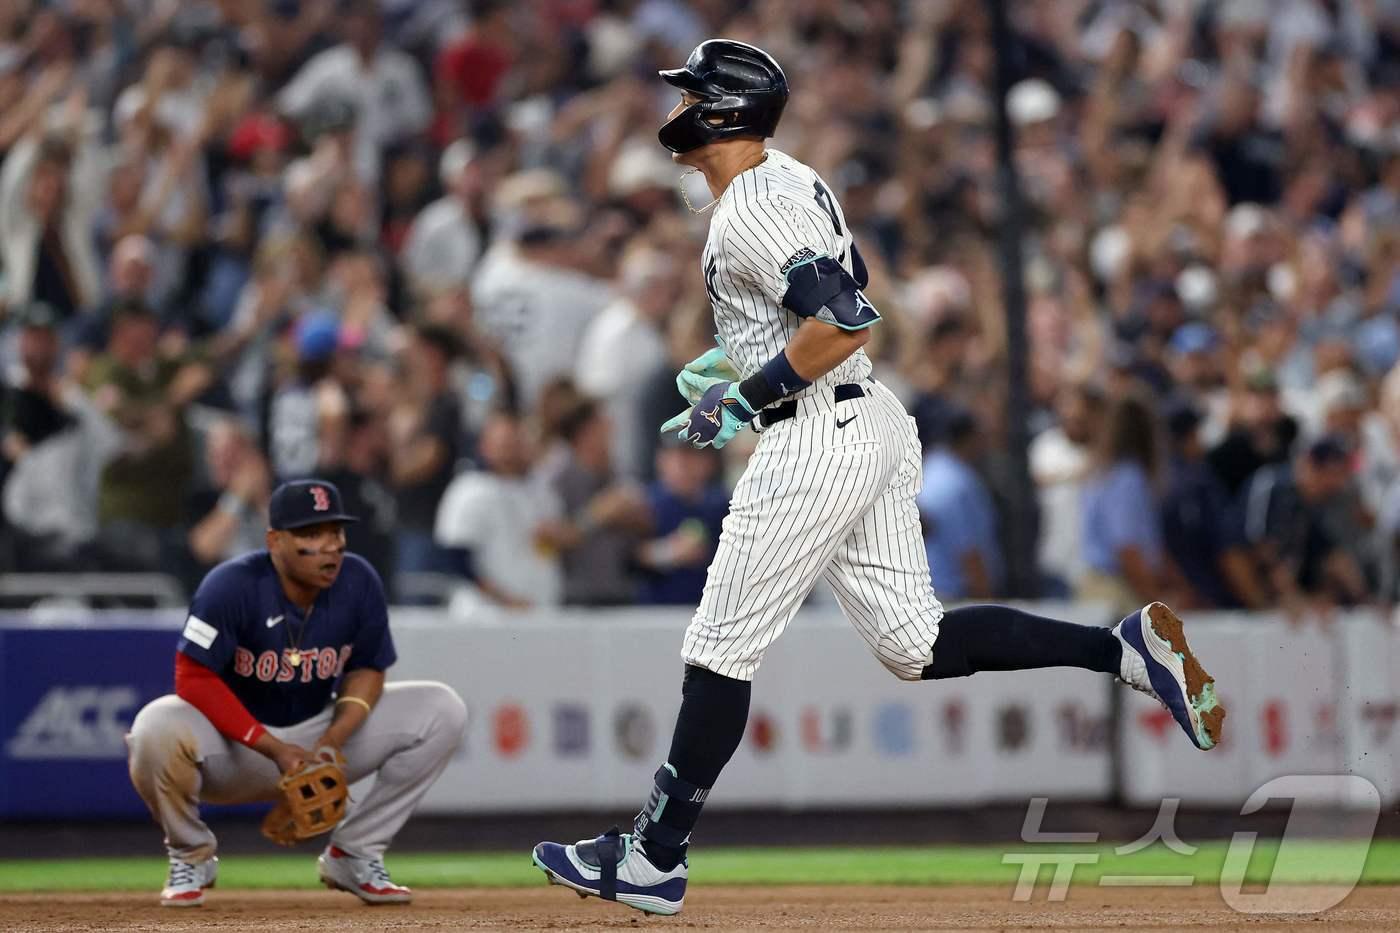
161 739
904 672
160 725
449 711
904 664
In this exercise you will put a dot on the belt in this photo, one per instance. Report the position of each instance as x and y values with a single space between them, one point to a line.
776 413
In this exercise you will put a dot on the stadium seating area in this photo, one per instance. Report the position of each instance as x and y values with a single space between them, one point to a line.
432 251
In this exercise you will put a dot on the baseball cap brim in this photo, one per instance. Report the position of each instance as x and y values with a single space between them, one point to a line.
316 520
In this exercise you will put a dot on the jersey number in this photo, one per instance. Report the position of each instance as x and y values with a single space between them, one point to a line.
824 200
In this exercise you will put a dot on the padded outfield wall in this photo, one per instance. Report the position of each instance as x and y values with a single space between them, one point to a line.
573 711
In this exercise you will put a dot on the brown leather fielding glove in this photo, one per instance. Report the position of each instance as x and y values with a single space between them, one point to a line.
313 800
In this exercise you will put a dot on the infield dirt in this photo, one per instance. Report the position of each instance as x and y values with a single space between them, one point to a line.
708 908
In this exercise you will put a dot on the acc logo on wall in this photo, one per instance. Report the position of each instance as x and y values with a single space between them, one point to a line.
77 722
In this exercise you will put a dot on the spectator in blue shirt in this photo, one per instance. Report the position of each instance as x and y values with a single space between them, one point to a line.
960 521
688 506
1122 534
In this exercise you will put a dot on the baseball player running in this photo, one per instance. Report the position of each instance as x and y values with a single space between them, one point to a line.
270 638
828 493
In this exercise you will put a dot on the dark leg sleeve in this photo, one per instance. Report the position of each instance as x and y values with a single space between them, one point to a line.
999 638
710 726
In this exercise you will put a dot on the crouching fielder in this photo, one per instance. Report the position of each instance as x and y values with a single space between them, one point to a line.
282 663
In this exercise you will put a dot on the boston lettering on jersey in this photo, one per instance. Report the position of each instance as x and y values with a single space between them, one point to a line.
282 665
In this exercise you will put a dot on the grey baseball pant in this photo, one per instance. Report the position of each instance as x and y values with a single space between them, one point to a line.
178 760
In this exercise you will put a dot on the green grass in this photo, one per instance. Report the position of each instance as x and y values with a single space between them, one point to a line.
912 866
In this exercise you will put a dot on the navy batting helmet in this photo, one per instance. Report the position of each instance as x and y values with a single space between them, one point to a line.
742 92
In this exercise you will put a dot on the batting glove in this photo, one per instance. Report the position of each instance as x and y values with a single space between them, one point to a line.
694 385
711 367
674 424
714 420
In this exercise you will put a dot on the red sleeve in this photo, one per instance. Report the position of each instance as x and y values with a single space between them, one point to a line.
203 689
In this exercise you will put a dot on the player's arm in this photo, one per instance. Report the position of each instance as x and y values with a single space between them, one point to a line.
818 347
359 691
800 273
836 318
206 691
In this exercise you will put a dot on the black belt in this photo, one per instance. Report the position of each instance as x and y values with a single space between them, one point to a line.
772 415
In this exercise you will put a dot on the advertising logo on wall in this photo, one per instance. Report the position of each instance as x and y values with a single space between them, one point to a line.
82 721
67 699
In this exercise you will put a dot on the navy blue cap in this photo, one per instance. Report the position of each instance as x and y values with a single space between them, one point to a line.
305 502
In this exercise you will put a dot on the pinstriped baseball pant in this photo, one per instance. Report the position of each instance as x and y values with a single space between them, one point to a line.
819 501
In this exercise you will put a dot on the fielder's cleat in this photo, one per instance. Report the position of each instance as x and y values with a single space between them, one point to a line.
1158 662
185 885
366 878
614 867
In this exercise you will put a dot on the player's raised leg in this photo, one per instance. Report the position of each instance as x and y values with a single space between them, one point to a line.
1147 650
896 613
880 576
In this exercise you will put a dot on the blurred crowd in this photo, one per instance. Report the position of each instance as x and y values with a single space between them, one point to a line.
431 250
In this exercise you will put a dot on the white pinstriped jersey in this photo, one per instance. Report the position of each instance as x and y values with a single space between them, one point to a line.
769 218
828 493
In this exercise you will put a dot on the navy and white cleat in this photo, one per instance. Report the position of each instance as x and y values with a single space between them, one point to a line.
615 868
1158 662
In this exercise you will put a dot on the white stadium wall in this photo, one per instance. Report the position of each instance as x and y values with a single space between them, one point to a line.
573 710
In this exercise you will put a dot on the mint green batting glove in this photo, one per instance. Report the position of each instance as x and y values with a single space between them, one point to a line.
694 385
713 362
705 370
674 425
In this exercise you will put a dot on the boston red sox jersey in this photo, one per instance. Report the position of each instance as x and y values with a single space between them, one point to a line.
828 493
243 627
769 219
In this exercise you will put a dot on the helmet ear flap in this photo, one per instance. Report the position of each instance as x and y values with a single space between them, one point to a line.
685 131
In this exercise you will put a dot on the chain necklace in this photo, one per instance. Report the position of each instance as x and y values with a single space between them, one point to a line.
695 171
294 651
